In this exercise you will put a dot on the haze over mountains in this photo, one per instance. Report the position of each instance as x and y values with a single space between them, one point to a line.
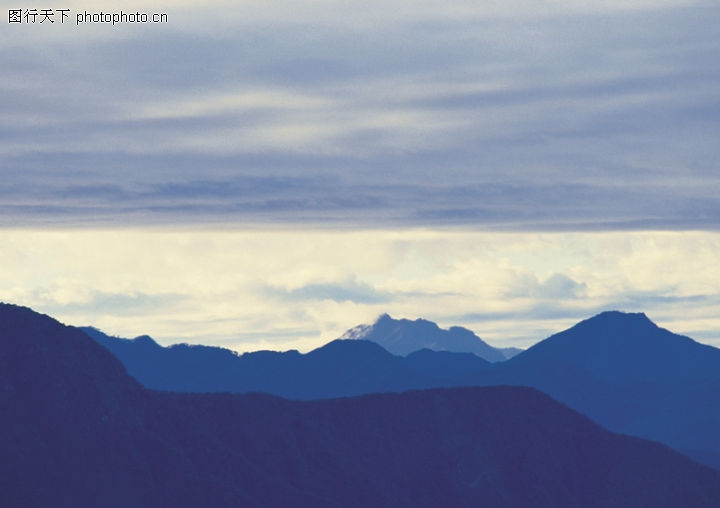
619 369
78 431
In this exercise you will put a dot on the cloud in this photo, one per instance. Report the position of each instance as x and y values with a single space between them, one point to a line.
347 291
299 289
119 304
560 116
555 287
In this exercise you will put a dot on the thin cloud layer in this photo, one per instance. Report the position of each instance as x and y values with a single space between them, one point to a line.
563 116
301 289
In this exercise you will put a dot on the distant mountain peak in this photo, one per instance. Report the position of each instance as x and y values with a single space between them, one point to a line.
621 316
405 336
145 340
387 318
615 321
353 347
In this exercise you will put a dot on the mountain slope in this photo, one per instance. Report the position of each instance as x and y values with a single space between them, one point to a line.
402 337
181 367
629 375
80 432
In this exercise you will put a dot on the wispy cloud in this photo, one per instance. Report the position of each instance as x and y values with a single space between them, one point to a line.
346 291
560 116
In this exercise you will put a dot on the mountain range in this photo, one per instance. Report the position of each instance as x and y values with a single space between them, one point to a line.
338 369
620 369
79 431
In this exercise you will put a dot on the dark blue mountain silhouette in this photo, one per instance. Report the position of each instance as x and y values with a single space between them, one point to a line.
340 368
77 431
402 337
630 376
620 369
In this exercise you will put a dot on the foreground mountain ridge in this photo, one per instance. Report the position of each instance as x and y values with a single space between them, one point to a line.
80 432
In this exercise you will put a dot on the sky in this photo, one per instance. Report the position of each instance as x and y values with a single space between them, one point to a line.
269 174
